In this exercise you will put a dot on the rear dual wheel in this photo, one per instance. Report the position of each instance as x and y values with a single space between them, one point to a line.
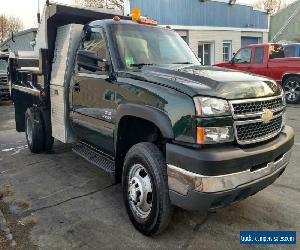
34 130
38 130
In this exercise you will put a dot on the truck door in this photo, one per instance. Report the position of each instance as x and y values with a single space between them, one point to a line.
242 60
93 106
259 61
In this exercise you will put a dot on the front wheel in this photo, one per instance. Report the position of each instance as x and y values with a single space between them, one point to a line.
292 89
145 189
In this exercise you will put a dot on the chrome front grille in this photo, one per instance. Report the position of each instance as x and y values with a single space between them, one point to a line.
256 106
3 80
248 121
258 131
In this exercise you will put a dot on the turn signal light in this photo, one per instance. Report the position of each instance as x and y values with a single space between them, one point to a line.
212 135
200 135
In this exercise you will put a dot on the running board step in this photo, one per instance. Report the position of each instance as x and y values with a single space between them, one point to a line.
95 157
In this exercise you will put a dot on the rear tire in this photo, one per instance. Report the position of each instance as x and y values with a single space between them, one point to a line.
34 130
145 189
291 88
49 140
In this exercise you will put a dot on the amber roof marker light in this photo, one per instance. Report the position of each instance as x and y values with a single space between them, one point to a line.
136 14
136 17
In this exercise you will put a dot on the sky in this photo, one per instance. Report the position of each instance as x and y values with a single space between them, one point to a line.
27 9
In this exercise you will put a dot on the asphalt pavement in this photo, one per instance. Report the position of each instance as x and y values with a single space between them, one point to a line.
60 201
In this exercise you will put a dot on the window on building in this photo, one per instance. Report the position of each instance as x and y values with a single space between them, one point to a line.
243 56
205 53
259 55
185 38
227 51
276 51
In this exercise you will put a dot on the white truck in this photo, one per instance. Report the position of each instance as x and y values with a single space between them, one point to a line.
4 87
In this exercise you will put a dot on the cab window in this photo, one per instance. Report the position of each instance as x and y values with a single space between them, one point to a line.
243 56
290 51
143 44
259 55
94 40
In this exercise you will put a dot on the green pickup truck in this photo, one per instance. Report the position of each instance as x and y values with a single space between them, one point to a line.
136 102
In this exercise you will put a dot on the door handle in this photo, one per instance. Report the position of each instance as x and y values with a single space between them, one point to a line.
76 87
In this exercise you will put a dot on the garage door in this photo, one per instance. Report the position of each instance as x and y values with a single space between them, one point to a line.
246 40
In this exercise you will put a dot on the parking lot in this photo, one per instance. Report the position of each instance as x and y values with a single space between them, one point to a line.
60 201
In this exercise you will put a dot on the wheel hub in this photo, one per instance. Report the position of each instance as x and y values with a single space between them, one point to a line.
29 130
292 90
136 191
140 191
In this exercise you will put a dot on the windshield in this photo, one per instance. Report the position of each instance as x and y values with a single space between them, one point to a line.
146 45
3 65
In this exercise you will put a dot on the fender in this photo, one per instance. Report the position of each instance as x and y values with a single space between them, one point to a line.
151 114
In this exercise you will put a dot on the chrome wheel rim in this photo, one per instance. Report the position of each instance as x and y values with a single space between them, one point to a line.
292 90
140 193
29 130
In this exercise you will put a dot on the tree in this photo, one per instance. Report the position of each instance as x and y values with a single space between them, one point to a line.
9 25
107 4
272 6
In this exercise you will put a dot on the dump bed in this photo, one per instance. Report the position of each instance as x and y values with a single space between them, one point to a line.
39 61
30 72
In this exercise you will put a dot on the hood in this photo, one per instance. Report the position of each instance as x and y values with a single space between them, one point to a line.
208 81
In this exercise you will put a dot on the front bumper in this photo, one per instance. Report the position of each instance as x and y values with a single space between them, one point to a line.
197 191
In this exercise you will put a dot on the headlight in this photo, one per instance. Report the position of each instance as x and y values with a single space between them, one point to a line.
210 107
207 106
212 135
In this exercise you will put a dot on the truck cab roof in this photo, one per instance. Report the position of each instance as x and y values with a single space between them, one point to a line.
111 21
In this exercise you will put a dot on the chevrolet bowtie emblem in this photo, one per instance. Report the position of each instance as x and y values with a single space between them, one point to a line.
266 116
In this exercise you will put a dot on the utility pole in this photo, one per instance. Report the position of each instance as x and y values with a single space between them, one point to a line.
38 13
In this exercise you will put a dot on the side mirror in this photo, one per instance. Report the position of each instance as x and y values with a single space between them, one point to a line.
89 60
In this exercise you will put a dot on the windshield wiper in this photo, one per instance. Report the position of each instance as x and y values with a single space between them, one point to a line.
182 63
140 65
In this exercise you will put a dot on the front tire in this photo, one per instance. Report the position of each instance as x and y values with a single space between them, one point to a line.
34 130
291 87
145 189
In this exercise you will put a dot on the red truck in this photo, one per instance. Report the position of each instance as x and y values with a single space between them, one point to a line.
269 60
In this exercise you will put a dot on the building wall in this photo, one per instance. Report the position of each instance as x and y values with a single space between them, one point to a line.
209 21
217 38
197 13
292 31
